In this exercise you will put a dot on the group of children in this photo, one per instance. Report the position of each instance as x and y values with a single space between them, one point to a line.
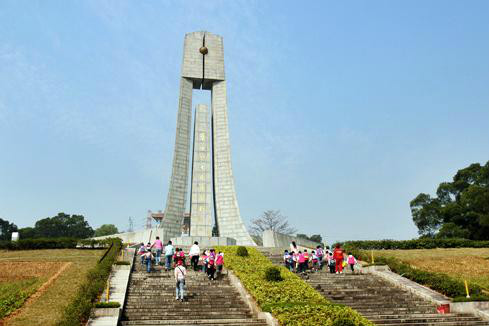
299 261
208 261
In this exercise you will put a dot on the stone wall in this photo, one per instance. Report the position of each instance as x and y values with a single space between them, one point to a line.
145 236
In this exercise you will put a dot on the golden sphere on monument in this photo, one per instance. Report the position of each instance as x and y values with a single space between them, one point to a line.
203 50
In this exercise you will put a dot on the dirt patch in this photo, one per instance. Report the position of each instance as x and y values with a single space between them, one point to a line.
16 271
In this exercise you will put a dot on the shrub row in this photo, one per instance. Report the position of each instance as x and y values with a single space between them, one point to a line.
417 244
439 282
54 243
292 301
112 304
78 311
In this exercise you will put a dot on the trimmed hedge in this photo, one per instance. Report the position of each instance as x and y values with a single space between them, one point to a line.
112 304
54 243
439 282
41 243
292 301
78 311
416 244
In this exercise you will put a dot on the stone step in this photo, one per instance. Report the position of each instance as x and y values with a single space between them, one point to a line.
213 322
434 318
181 308
193 300
395 311
205 307
188 316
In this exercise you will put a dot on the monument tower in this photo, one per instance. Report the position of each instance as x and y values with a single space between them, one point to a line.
212 175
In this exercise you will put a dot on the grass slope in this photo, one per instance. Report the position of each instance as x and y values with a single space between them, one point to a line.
471 264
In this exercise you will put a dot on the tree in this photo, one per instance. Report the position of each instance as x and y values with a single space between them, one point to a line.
6 229
106 229
270 220
63 225
314 237
460 208
27 233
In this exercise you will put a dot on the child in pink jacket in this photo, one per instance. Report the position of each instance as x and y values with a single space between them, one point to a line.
351 261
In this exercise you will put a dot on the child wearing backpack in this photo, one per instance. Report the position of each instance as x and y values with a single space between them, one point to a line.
320 255
351 261
219 263
148 256
288 261
331 263
315 260
142 251
211 265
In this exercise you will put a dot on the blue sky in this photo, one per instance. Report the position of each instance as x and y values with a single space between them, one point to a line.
340 113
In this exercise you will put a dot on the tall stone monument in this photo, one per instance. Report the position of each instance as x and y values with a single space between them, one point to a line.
201 222
212 175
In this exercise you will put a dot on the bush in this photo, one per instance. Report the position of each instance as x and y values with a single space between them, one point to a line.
78 311
416 244
272 274
242 251
113 304
292 301
343 322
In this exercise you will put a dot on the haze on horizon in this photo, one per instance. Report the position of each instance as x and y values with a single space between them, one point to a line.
339 114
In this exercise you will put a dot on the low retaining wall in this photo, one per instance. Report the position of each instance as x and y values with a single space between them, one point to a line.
119 282
273 239
248 299
204 242
480 309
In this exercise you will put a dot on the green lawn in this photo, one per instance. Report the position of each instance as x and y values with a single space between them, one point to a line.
24 272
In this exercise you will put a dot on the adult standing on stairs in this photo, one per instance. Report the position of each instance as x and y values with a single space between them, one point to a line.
169 251
158 245
180 273
194 255
338 256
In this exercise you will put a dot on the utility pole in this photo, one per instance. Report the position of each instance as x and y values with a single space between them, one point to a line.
131 225
149 219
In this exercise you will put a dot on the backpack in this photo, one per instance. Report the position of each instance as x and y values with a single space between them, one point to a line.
211 260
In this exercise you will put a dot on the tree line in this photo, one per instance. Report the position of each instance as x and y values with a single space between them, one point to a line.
61 225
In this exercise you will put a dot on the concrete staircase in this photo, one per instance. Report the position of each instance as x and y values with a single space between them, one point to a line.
151 301
380 301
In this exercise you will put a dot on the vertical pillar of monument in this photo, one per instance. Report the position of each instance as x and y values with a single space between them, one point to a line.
177 194
227 213
200 200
